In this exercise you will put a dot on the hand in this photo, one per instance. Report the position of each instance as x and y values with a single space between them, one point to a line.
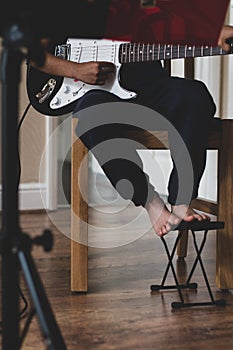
226 33
95 73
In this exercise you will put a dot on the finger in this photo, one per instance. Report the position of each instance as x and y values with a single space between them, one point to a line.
100 82
102 78
107 67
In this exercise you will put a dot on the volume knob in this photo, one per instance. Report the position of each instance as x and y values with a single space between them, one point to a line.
66 89
56 101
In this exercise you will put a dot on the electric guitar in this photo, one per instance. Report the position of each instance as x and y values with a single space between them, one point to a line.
55 96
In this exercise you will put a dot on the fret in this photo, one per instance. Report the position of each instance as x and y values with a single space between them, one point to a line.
198 52
151 55
128 52
162 49
167 53
206 51
153 51
149 52
125 53
134 52
126 58
189 51
175 51
217 51
122 53
138 53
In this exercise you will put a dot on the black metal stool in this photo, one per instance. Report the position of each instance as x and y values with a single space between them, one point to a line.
194 227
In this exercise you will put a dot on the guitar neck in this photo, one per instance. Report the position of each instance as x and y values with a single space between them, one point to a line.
130 52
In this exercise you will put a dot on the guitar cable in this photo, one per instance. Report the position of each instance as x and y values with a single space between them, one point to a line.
24 311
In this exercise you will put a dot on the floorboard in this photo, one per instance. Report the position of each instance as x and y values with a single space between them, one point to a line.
119 311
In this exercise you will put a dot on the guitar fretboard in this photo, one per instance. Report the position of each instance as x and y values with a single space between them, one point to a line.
130 52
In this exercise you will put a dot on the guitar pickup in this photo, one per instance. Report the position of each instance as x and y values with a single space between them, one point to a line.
46 91
63 51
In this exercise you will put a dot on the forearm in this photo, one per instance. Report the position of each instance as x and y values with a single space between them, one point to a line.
57 66
88 72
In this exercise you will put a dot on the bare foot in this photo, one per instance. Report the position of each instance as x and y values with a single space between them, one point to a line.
188 214
160 217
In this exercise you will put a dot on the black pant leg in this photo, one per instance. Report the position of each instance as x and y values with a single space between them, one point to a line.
111 146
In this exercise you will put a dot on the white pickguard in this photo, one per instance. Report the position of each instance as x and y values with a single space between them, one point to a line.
86 50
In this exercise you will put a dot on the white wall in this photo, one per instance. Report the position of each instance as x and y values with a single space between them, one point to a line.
216 73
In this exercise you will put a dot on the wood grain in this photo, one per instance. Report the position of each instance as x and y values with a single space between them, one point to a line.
79 214
224 263
119 311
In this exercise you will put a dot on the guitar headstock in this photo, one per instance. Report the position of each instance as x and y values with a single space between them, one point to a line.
230 42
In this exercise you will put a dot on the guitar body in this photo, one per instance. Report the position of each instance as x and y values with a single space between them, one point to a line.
55 96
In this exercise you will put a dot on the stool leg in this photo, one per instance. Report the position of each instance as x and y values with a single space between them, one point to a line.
177 286
220 302
182 246
189 285
199 259
198 253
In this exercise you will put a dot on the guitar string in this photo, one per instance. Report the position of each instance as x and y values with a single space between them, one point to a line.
149 52
151 49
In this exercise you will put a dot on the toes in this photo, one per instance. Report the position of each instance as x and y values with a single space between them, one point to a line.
189 218
163 230
201 217
160 233
168 227
198 217
205 217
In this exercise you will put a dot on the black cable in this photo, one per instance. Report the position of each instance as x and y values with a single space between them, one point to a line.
18 130
23 312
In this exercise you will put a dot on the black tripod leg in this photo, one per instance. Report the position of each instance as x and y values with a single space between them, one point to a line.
15 41
50 330
10 72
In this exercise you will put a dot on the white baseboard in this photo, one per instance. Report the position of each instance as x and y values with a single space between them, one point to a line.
31 196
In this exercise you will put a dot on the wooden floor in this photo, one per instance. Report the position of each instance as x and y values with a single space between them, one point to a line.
119 311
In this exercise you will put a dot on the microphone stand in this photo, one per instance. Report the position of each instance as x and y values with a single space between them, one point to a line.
15 245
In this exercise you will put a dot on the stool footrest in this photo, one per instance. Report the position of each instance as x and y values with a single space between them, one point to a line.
200 225
179 305
192 226
155 287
